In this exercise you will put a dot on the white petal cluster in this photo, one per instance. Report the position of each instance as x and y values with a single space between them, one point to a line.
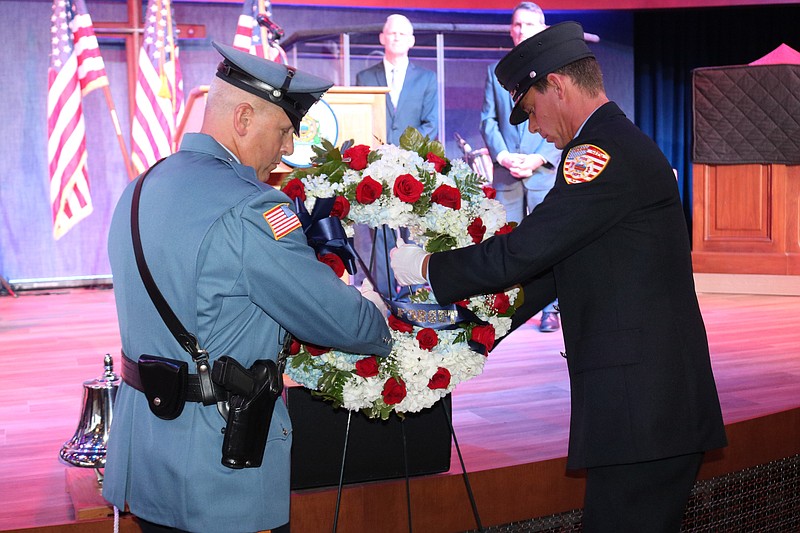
408 362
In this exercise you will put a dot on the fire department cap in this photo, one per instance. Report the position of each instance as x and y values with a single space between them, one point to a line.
536 57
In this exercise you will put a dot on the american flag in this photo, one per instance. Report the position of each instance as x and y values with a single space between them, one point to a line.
76 69
159 89
250 37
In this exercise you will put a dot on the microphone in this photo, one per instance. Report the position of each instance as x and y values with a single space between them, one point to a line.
463 144
275 31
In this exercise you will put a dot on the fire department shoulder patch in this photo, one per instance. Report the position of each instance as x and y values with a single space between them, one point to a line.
584 163
281 220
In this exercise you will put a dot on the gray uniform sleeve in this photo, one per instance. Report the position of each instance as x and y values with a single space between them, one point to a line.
303 295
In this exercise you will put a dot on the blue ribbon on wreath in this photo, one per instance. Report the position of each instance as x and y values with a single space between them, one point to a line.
325 233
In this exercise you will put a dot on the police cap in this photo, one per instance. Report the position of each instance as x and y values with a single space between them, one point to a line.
290 89
536 57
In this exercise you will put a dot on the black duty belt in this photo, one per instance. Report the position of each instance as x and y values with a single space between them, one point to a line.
130 375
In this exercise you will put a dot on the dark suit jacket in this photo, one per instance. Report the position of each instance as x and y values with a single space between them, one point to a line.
499 134
417 107
615 250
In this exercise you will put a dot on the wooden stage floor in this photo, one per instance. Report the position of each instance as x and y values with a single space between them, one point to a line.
511 421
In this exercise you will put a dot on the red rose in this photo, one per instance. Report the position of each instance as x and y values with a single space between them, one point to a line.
427 338
408 188
476 230
394 390
440 380
333 261
490 192
447 196
505 228
294 347
295 189
368 190
341 207
358 156
462 303
400 325
501 302
367 367
315 350
484 335
438 162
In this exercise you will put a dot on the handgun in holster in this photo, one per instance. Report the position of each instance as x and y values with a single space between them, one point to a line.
253 393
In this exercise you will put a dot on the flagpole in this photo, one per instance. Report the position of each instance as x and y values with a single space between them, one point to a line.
112 110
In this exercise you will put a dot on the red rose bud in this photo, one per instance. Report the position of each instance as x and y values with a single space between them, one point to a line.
427 338
407 188
440 380
484 335
368 190
333 261
394 390
294 347
490 192
447 196
501 303
315 350
400 325
367 367
438 162
341 207
505 228
357 155
476 230
294 188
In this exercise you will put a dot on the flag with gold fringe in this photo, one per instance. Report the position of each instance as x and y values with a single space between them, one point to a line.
76 69
159 89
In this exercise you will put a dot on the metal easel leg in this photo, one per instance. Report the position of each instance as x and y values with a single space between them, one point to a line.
463 469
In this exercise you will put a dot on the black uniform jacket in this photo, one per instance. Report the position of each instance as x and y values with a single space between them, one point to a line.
615 250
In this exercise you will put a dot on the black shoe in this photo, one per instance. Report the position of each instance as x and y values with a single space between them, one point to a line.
549 322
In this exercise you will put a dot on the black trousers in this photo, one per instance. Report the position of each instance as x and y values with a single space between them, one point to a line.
150 527
641 497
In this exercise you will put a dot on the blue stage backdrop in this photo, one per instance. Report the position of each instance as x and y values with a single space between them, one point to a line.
28 252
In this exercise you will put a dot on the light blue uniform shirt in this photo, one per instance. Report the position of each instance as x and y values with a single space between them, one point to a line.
230 281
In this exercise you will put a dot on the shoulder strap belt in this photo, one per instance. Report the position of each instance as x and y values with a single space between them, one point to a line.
187 341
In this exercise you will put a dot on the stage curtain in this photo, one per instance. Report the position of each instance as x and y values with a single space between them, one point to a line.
669 44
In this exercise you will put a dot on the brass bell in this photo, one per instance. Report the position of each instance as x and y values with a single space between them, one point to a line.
87 448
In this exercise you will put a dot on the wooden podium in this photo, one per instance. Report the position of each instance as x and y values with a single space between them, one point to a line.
746 219
360 115
746 171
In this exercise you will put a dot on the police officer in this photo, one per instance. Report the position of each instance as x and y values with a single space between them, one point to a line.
610 240
230 258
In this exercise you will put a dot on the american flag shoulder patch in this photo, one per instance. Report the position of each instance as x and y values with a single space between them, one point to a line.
281 220
584 163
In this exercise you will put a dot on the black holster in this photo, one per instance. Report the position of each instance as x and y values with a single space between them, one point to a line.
252 400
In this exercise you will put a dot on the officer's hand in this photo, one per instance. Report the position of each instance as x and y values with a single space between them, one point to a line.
407 261
368 292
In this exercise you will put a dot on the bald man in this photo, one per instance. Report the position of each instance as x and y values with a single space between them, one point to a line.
412 100
231 260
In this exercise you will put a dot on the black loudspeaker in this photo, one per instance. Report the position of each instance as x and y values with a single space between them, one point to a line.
374 447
